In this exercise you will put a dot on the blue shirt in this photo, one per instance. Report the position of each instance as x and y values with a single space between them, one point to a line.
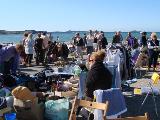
6 53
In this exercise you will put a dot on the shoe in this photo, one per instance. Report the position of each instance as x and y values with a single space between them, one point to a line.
24 65
154 69
29 65
43 64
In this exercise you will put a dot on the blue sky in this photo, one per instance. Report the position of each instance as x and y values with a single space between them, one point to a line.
62 15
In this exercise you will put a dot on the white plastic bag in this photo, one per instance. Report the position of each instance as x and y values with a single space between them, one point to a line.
56 109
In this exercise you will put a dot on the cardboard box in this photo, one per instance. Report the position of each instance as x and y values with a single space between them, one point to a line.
66 94
27 110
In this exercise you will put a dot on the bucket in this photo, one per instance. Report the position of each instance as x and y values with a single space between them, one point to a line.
10 116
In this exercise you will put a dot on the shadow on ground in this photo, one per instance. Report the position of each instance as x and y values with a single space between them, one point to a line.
134 106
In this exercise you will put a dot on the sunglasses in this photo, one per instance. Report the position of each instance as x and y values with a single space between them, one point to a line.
90 60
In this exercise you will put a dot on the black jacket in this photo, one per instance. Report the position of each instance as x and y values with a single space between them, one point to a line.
144 41
38 43
104 42
116 39
98 77
79 42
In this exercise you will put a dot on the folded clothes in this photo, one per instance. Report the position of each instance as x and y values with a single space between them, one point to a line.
66 83
131 81
145 90
4 92
73 80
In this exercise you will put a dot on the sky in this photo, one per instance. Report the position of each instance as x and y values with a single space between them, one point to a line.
63 15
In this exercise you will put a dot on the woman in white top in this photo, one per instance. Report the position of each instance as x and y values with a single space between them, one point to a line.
28 45
153 47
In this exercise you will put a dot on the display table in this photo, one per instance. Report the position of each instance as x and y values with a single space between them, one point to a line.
49 73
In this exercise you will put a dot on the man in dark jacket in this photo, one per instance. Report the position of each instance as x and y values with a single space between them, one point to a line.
104 41
38 49
78 42
117 38
143 40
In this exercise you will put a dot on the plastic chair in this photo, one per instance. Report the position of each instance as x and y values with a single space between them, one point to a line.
87 104
145 117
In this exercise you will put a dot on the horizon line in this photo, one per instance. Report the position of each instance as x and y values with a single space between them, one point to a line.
74 30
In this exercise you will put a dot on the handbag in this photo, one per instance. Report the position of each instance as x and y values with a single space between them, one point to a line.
144 49
157 49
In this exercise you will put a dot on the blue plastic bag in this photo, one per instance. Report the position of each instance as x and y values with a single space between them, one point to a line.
56 109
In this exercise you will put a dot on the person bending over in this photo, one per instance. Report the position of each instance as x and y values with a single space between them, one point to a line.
9 58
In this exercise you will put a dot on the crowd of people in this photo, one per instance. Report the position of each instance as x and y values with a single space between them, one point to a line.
94 44
149 48
42 48
46 50
40 44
